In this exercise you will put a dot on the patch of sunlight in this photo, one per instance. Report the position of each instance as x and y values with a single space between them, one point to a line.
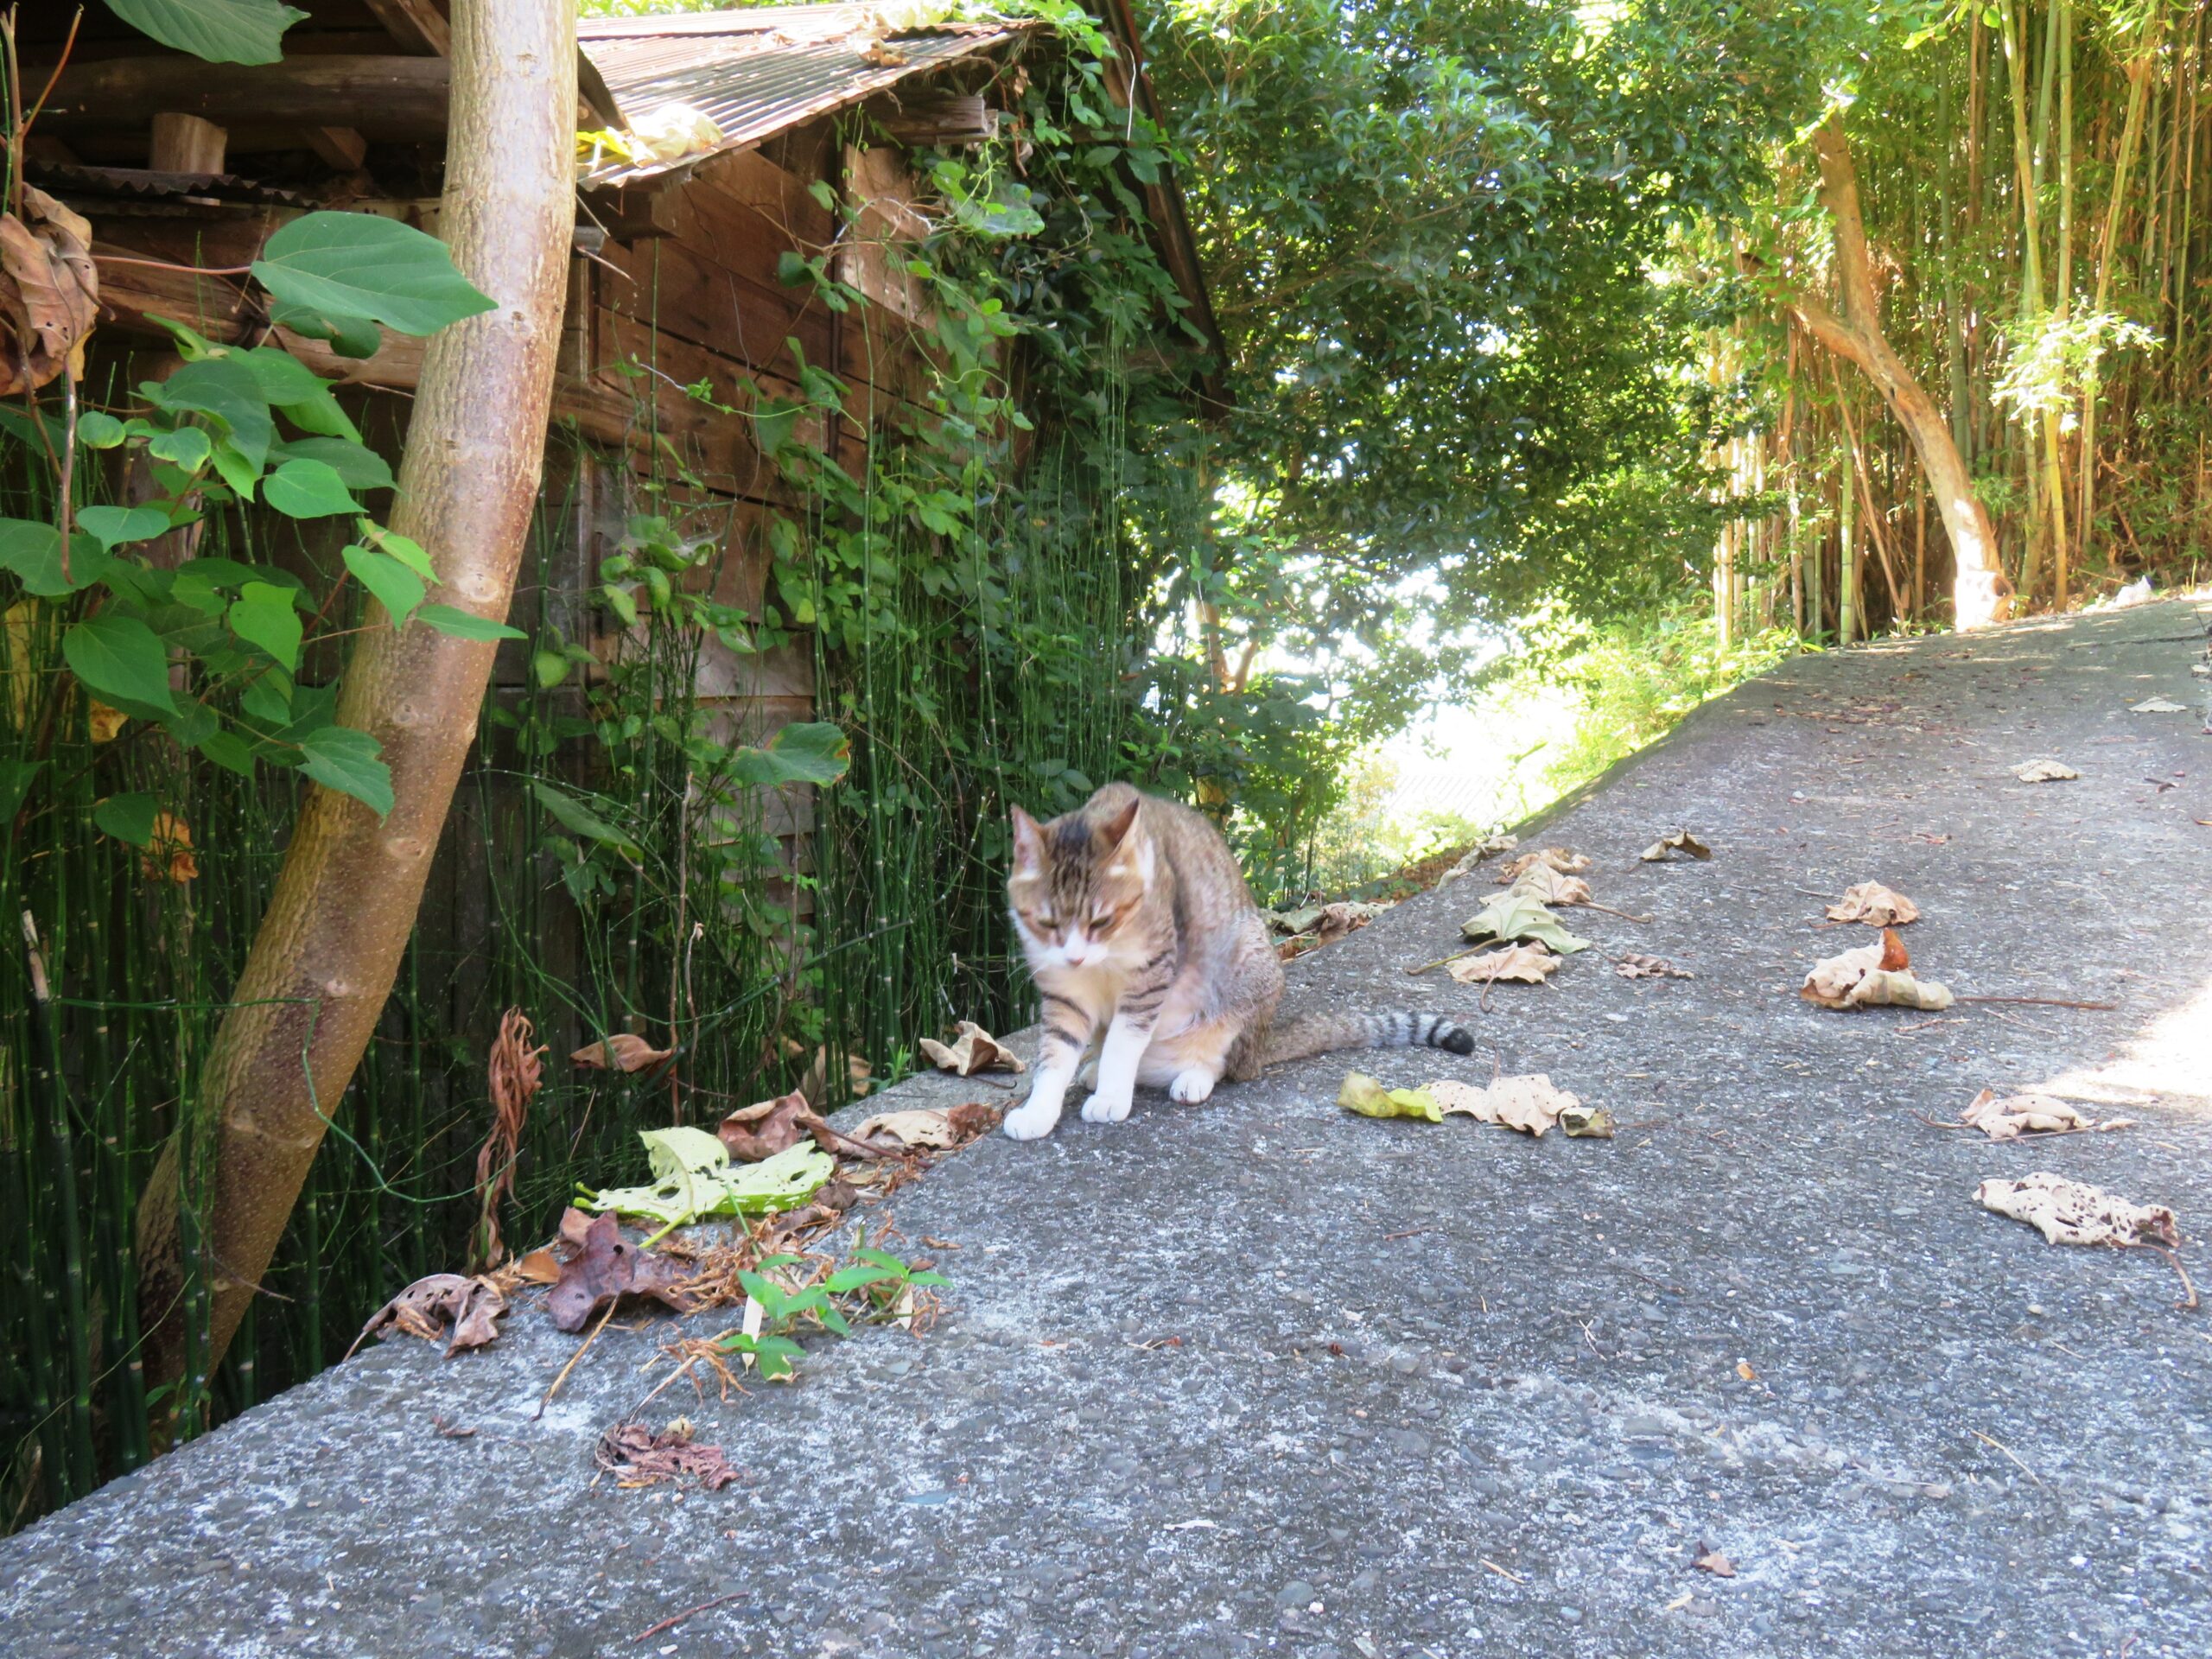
2171 1058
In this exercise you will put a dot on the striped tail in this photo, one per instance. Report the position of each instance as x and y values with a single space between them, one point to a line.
1319 1034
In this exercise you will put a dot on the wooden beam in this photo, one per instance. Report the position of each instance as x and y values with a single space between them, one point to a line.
340 147
947 118
393 98
185 143
419 26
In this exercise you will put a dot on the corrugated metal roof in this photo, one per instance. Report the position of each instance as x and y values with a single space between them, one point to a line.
763 70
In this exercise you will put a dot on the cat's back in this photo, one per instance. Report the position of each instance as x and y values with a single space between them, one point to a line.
1194 848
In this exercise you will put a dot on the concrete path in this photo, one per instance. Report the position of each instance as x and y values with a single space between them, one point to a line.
1262 1376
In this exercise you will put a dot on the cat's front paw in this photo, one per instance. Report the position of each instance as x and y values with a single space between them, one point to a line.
1106 1108
1191 1086
1031 1121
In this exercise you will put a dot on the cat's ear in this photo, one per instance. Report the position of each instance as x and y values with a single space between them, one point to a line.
1115 829
1028 842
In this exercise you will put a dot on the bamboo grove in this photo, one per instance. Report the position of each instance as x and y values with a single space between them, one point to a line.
2034 186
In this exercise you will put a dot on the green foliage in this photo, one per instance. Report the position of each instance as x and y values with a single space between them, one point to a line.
875 1286
352 269
221 31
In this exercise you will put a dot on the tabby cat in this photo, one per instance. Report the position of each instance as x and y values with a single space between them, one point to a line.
1137 924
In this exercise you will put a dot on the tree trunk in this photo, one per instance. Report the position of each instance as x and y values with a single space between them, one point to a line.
323 962
1980 592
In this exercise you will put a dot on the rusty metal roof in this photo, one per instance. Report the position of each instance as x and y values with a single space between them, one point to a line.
765 70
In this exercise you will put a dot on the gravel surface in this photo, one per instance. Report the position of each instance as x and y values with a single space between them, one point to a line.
1262 1376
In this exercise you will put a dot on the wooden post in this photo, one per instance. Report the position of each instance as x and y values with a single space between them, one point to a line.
185 143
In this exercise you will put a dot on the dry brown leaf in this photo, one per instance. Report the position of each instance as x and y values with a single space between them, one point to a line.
1488 847
167 854
2073 1212
912 1128
1586 1123
515 1070
49 293
1530 1104
2012 1116
1559 860
1632 966
1680 841
768 1126
427 1307
609 1266
540 1267
1547 886
1875 904
1710 1559
575 1224
2044 771
621 1052
105 723
636 1456
1527 963
1873 975
974 1050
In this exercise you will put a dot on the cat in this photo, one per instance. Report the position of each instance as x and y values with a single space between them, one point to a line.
1137 923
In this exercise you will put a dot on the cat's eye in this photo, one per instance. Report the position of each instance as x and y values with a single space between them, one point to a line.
1104 919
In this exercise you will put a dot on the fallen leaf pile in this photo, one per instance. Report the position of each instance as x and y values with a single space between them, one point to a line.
975 1050
636 1456
1875 904
1873 975
2073 1212
1316 925
769 1128
2044 771
2013 1116
1667 846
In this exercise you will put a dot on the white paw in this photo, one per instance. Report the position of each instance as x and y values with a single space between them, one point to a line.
1191 1086
1106 1108
1033 1121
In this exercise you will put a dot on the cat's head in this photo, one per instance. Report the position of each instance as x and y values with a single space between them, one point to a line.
1079 879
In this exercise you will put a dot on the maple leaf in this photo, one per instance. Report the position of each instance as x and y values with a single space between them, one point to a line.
1547 885
1528 964
1517 916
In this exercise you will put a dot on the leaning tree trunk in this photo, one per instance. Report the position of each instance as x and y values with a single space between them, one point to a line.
1980 592
323 962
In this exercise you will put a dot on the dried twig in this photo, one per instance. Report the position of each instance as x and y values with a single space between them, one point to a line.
2041 1003
2188 1303
675 1619
2008 1452
574 1357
